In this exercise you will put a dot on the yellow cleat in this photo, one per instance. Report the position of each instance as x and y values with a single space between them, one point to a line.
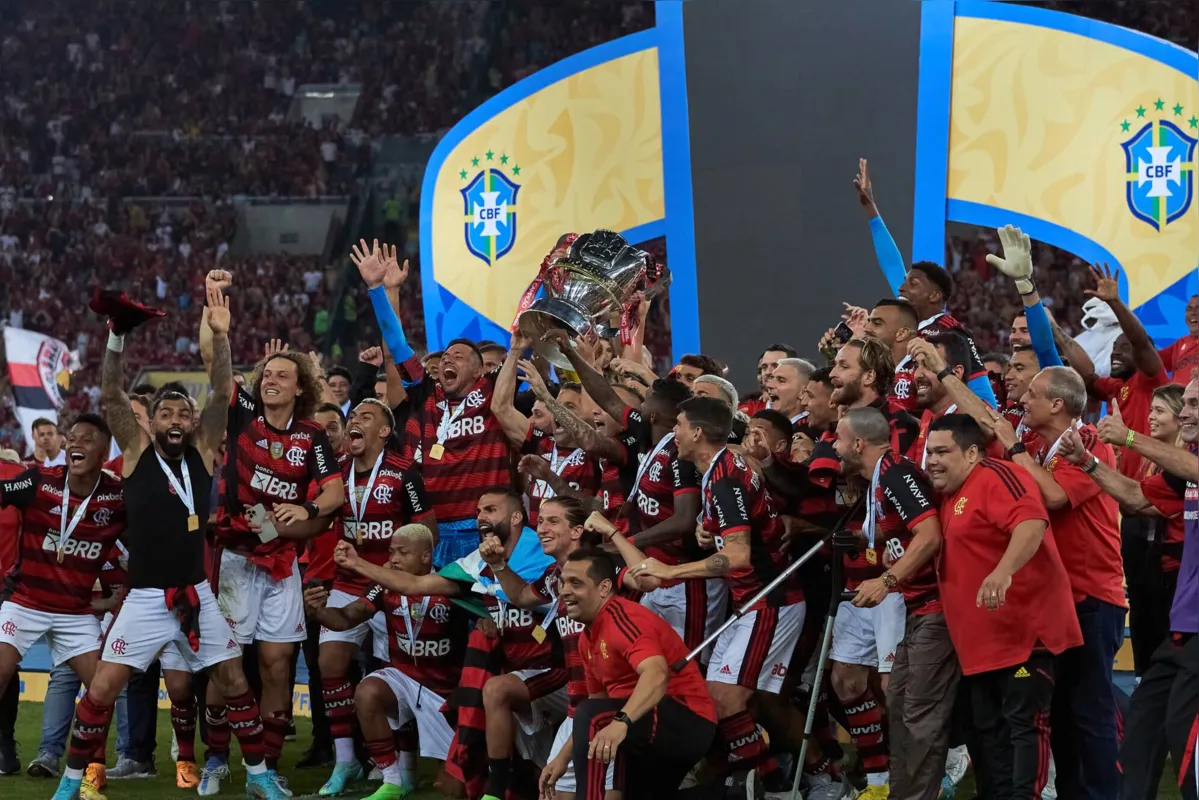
187 776
89 790
96 775
875 792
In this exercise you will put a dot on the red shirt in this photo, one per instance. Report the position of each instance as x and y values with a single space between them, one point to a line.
1166 492
623 635
10 522
663 478
1087 528
1133 396
977 523
1180 358
426 636
572 465
319 553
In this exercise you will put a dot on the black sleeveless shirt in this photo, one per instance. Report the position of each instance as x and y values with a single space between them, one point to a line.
163 553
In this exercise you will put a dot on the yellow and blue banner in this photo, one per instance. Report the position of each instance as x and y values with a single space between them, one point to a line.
1080 132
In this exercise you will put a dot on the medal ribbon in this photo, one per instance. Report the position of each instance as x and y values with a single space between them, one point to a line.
414 632
872 509
185 494
557 467
703 486
645 464
366 496
64 529
447 419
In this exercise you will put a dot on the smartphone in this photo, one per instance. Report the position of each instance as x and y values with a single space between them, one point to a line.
843 333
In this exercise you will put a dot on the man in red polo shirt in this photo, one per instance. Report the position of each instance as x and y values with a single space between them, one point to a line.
1086 528
1006 600
1183 356
655 723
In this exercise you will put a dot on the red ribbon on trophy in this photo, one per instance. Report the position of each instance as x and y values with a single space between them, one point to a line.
556 276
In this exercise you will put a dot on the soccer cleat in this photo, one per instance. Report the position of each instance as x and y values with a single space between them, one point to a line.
266 786
948 789
281 783
957 762
343 774
187 776
68 789
89 790
376 774
389 791
10 764
824 787
215 770
875 792
96 776
44 766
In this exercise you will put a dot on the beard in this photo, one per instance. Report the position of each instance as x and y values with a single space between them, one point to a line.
500 531
173 449
848 394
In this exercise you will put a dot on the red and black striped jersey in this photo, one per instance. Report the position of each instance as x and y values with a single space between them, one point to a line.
266 465
427 636
824 464
518 637
40 581
574 466
903 499
663 477
618 474
903 390
734 500
459 444
612 494
397 498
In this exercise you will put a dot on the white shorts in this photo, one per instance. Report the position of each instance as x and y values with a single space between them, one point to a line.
869 636
537 727
258 607
755 651
417 702
144 627
567 782
68 635
693 608
376 626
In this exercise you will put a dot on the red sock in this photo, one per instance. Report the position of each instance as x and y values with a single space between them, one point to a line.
746 745
217 736
869 735
274 731
338 694
89 733
382 752
183 720
247 726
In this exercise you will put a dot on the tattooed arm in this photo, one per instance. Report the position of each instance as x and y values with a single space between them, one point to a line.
215 417
733 556
580 431
119 414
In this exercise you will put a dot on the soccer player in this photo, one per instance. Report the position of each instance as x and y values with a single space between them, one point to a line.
275 452
382 495
1085 526
903 530
653 723
426 634
894 323
72 516
785 385
452 433
754 653
169 603
1007 603
949 351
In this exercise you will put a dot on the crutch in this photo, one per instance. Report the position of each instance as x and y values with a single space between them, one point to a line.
843 542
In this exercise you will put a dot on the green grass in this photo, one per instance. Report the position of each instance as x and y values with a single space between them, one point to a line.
304 782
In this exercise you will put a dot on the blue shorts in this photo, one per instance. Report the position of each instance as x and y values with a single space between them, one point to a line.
454 541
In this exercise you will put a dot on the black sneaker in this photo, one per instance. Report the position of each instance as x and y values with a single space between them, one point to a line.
9 763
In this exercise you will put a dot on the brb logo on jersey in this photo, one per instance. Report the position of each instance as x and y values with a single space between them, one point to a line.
1159 163
270 485
89 551
489 203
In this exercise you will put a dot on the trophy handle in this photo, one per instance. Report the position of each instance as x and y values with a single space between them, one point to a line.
659 286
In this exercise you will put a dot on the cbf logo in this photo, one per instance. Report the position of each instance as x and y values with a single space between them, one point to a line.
489 202
1159 163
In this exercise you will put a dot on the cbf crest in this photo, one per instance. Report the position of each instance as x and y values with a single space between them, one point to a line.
1159 161
489 204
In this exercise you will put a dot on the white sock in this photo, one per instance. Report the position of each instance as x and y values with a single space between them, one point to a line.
73 774
393 774
116 342
343 750
407 767
256 769
877 778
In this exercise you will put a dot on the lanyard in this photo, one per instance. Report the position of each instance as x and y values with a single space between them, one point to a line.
667 439
872 509
184 489
925 323
553 612
64 529
1076 424
414 632
703 486
447 419
366 495
924 452
557 467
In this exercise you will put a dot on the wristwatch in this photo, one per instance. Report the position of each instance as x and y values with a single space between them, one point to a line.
889 580
313 509
1091 465
1016 450
623 717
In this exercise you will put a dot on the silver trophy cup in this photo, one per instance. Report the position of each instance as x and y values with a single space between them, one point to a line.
589 289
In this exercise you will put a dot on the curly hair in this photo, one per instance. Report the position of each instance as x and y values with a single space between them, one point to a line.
874 356
306 378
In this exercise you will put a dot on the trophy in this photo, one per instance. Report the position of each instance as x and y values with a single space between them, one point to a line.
591 280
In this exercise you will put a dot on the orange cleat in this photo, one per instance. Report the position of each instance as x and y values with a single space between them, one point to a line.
187 776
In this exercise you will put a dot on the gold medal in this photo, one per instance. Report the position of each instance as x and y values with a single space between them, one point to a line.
538 634
358 534
871 556
193 523
436 452
60 554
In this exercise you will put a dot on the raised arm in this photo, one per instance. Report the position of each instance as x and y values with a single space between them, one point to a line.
394 580
967 401
591 440
316 599
514 423
520 593
885 249
1175 460
1107 289
1126 491
374 264
594 383
214 419
216 279
117 412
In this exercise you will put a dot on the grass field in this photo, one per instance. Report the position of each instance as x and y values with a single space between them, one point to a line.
304 782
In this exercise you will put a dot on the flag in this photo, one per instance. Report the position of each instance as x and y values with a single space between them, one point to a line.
39 371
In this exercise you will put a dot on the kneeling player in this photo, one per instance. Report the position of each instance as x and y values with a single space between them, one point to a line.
427 635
